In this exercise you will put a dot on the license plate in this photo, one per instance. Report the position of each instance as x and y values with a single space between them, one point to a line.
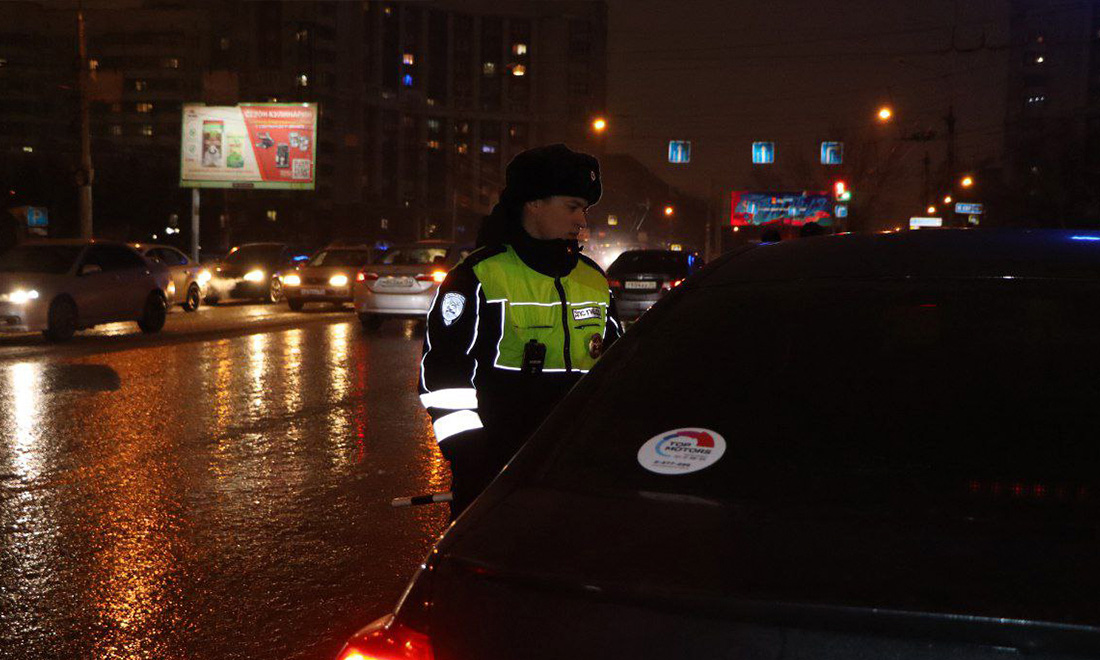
313 292
640 286
397 282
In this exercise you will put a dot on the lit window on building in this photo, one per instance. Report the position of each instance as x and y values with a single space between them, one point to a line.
93 65
388 11
434 125
301 36
519 70
140 85
116 130
28 150
224 43
408 59
519 49
272 215
489 68
407 80
1037 98
3 62
147 130
612 220
433 144
488 149
462 148
171 63
303 80
145 107
463 127
430 102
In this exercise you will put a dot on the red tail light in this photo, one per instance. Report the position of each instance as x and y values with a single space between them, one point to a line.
363 276
675 283
615 284
386 640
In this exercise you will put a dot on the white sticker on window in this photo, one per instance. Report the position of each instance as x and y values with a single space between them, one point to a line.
453 304
681 451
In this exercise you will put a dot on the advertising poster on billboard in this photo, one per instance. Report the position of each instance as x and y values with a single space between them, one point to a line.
251 145
795 209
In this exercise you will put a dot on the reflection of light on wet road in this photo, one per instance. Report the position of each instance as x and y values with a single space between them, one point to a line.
257 345
292 369
25 387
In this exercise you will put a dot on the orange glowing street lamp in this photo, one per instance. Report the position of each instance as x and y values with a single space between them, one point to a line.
599 124
885 113
967 181
669 211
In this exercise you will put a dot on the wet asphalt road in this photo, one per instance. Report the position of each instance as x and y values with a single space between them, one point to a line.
216 491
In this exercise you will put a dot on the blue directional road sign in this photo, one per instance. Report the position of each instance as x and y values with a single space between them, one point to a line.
763 153
841 210
679 151
37 217
968 209
832 153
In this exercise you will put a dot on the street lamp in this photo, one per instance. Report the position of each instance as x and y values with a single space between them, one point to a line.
931 210
967 181
947 199
885 113
669 211
599 124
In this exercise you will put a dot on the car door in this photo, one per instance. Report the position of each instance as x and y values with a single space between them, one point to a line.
130 281
94 290
180 269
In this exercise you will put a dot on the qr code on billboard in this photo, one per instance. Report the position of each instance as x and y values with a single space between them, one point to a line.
300 168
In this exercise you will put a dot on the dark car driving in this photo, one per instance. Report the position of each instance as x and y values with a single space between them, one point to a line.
249 271
848 446
639 278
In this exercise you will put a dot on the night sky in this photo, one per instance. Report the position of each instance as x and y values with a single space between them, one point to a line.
725 73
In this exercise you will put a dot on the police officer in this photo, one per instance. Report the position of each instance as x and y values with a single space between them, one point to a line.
518 321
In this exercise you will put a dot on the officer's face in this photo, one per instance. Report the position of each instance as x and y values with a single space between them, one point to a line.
555 217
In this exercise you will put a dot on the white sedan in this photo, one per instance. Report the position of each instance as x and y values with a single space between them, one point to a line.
61 286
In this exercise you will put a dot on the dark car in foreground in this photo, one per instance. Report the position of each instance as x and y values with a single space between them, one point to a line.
878 446
249 272
639 278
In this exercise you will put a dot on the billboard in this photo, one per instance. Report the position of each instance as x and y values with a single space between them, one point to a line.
796 209
251 145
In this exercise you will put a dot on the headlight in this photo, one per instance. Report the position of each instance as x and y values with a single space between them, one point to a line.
204 276
338 280
254 276
292 280
21 297
171 288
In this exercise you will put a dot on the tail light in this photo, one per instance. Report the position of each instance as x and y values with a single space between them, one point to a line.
363 276
675 283
387 640
615 284
436 276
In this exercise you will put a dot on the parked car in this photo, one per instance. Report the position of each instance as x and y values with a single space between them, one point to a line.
639 278
61 286
187 285
248 272
401 283
327 277
848 446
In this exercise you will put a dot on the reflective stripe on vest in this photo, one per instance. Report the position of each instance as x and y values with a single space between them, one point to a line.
532 309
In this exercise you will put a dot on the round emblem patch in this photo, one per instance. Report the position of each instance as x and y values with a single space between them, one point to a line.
682 451
453 305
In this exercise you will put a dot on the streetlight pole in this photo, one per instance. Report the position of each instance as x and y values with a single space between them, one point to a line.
86 173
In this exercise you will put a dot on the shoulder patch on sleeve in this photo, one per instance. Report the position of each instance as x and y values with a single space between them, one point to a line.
454 304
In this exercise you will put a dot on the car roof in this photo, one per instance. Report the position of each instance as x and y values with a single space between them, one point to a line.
925 253
80 242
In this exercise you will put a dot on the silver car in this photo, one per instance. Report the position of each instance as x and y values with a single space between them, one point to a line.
61 286
188 284
402 281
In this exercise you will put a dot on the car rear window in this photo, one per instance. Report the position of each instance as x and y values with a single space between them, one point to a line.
861 392
348 258
54 259
675 263
414 256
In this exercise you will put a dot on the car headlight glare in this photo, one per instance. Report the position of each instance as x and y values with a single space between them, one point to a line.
171 288
254 276
338 280
21 297
204 277
292 280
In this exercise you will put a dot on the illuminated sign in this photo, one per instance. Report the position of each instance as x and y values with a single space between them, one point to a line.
763 153
679 151
795 209
832 153
251 145
918 223
968 209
